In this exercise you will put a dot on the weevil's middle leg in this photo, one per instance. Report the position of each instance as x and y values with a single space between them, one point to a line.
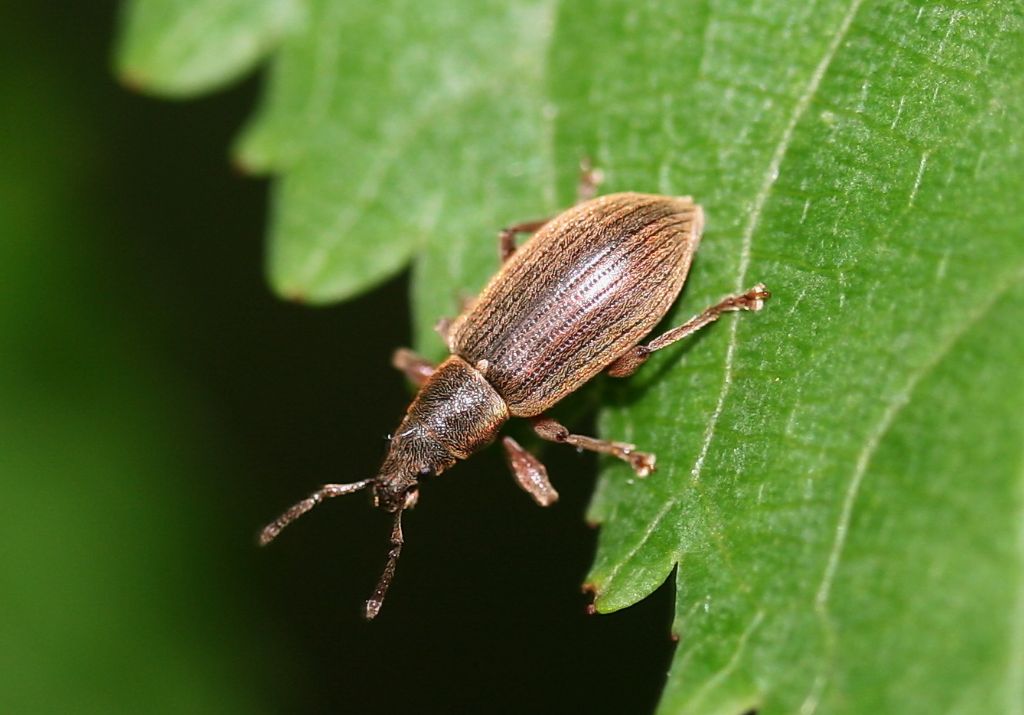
443 325
530 473
416 368
641 462
630 362
586 188
507 236
589 181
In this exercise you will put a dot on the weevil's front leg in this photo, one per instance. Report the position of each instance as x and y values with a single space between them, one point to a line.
586 188
327 491
752 300
530 473
641 462
417 369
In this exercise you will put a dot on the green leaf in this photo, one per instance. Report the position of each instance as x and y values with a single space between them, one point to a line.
841 481
116 580
396 128
841 475
178 48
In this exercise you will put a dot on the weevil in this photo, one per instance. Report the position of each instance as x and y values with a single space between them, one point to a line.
573 301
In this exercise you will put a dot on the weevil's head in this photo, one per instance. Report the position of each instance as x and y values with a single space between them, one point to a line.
413 455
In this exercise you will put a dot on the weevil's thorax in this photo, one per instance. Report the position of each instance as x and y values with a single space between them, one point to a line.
454 414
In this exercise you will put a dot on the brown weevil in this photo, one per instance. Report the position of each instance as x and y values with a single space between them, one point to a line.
573 301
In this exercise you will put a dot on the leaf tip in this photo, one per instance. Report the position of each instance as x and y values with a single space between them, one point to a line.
241 167
131 79
247 158
294 296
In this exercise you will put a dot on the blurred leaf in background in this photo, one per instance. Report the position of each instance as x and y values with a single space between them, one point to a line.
840 483
114 595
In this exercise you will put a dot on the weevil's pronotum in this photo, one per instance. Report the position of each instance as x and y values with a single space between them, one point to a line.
575 300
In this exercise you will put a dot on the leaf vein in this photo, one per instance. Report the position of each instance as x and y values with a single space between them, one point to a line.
711 683
896 403
1015 666
771 175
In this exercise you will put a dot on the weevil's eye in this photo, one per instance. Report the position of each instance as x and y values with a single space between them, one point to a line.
411 497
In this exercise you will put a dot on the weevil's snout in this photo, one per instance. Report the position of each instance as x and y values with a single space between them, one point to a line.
394 493
413 455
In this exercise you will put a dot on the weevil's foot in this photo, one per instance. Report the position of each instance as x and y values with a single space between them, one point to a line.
372 609
641 462
755 297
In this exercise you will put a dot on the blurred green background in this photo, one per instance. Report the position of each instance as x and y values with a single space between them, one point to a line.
157 405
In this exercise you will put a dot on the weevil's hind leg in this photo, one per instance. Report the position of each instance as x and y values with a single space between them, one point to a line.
628 363
271 530
641 462
530 473
586 188
416 368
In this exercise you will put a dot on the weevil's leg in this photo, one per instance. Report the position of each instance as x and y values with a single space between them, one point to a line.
530 473
752 300
466 302
641 462
271 530
417 369
590 179
507 236
443 326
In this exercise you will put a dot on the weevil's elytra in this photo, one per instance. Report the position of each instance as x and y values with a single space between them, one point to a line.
575 300
595 279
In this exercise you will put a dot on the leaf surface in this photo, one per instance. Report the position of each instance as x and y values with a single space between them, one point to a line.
841 479
840 484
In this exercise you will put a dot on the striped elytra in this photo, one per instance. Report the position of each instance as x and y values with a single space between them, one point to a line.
584 289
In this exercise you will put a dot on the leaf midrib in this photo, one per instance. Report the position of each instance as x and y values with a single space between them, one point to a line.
769 179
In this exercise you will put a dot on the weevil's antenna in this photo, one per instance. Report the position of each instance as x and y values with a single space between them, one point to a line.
373 605
271 530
